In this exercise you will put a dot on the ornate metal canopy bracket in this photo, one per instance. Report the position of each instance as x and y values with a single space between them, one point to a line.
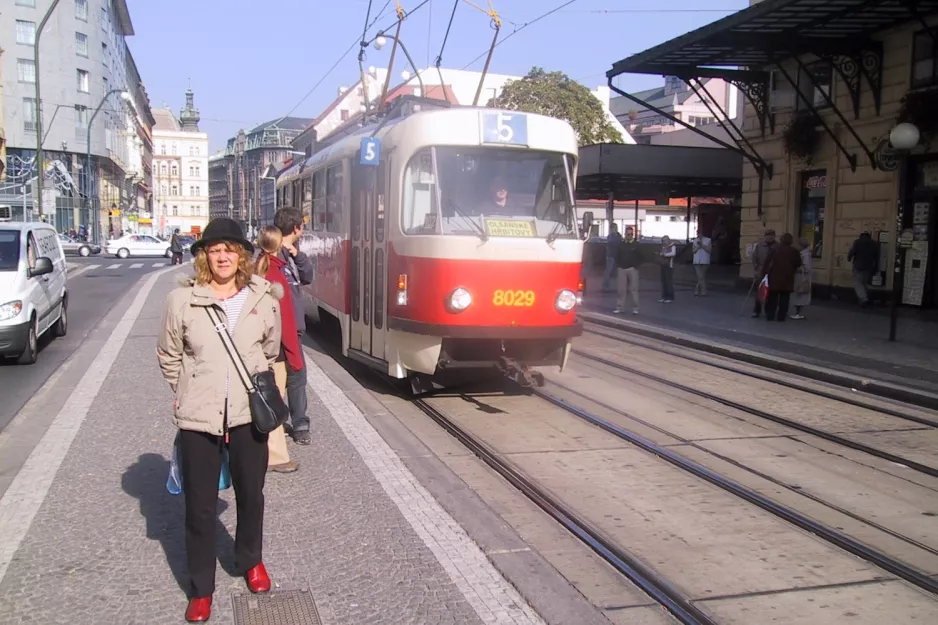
847 67
757 92
871 64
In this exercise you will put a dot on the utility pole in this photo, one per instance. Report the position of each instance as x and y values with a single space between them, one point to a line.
40 170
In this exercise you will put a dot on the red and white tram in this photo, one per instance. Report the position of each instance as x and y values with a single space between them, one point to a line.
445 239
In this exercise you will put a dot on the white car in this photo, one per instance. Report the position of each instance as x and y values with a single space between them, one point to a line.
138 245
33 288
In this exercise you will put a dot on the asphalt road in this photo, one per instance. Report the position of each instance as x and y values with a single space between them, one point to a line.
95 285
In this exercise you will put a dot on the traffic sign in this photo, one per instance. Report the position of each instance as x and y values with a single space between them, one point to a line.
371 151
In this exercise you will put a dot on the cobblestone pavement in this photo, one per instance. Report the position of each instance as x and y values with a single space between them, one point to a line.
89 534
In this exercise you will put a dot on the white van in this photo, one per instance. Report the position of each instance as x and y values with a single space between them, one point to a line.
33 294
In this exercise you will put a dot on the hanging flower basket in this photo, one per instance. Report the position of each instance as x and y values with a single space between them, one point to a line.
801 137
919 107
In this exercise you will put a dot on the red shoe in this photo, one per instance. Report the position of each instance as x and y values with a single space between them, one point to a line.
199 610
257 578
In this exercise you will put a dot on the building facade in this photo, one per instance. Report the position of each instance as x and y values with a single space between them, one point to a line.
218 198
820 110
247 157
84 63
180 171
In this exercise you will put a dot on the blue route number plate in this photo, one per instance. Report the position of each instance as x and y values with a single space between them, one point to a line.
371 151
505 128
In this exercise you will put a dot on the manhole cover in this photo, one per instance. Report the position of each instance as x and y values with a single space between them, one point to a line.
285 607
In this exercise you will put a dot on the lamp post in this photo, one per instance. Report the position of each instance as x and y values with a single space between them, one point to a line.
88 186
380 42
903 138
40 170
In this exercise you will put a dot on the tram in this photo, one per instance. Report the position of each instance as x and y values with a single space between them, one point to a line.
445 239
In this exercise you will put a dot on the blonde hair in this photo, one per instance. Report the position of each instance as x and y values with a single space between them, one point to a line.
203 271
270 240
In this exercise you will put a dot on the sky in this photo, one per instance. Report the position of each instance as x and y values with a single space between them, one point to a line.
249 62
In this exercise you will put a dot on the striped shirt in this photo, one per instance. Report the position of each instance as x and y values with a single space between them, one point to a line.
232 307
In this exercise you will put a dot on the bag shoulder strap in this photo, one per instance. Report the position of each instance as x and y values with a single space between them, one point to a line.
222 331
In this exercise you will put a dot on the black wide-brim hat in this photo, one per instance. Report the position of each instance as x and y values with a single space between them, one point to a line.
222 229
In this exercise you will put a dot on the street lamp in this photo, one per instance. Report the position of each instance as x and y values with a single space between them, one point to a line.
88 186
904 137
382 39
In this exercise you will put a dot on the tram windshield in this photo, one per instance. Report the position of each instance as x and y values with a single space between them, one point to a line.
488 191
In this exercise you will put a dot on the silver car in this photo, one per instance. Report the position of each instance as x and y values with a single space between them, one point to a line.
72 247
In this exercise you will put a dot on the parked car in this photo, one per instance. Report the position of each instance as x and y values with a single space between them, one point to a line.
82 248
33 288
138 245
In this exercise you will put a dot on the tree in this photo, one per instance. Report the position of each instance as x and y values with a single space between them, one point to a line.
556 95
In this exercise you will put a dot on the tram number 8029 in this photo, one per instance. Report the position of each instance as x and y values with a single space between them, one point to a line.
518 298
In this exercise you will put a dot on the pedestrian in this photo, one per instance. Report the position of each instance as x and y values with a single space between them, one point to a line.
628 260
270 266
760 254
802 295
667 253
175 247
865 257
211 407
702 250
612 250
780 267
298 269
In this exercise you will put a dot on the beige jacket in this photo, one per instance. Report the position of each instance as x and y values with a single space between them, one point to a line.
194 361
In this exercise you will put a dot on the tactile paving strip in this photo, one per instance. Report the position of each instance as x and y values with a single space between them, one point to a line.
285 607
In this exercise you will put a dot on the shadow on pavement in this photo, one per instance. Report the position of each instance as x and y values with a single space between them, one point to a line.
164 513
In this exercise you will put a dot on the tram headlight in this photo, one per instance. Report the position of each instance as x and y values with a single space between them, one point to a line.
460 300
566 301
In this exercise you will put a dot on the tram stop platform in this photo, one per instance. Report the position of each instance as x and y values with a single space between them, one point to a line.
834 336
373 528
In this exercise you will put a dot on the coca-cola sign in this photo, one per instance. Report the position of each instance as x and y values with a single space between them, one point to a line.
816 182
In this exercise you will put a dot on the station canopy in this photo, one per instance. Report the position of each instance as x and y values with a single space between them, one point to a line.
645 172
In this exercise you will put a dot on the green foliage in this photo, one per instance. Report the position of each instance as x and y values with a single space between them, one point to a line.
556 95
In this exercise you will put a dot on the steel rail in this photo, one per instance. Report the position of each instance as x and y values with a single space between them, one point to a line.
801 427
855 547
643 576
767 378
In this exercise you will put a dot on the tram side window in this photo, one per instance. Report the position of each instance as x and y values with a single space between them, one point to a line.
319 200
307 196
287 199
419 210
334 198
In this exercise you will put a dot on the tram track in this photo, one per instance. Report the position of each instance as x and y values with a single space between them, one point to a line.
768 416
713 362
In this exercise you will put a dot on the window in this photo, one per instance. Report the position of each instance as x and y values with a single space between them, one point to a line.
25 32
175 170
923 60
198 190
781 92
26 70
163 168
81 44
195 151
198 170
344 115
29 114
81 10
163 190
419 209
83 81
319 200
191 190
175 191
174 149
104 19
104 54
175 211
163 149
334 198
191 150
823 74
26 3
813 200
81 119
191 170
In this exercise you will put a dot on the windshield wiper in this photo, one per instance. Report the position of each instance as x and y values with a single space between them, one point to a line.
555 232
483 235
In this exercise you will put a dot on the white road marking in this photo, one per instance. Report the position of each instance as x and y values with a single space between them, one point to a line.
29 488
136 266
159 264
489 594
115 265
72 273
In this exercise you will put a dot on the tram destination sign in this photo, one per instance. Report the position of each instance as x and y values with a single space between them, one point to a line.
504 128
510 228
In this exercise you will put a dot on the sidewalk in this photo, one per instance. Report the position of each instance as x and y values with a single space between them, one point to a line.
89 534
839 337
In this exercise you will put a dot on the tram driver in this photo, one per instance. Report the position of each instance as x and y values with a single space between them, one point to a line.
498 200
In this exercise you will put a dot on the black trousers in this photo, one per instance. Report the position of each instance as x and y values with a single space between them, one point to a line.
776 305
201 466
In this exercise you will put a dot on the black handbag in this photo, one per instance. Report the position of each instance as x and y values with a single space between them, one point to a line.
268 410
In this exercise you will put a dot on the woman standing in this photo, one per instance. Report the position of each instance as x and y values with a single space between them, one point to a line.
780 267
270 265
802 295
211 407
667 253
